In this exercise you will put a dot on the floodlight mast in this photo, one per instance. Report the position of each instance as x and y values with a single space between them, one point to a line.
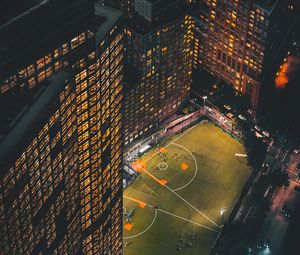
222 211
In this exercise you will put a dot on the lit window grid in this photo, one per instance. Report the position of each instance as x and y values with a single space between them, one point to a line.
164 81
236 55
43 182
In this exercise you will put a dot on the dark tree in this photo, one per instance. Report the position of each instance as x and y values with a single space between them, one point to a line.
256 148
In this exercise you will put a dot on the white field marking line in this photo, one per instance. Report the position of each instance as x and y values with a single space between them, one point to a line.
205 216
144 231
162 168
220 232
177 216
146 160
181 135
190 221
248 213
196 165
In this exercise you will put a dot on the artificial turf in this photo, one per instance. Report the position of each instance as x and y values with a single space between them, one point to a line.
214 183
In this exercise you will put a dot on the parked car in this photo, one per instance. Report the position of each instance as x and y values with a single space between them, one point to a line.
207 108
242 117
265 169
257 128
229 115
287 212
227 107
258 134
263 244
250 111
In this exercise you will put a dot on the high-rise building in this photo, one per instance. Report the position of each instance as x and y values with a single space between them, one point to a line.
127 6
61 84
152 9
231 38
158 67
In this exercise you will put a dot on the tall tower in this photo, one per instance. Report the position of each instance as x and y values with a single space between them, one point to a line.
127 6
60 134
231 39
158 64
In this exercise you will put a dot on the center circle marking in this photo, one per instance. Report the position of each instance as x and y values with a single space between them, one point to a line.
162 166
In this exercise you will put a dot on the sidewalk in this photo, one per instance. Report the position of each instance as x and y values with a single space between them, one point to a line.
276 224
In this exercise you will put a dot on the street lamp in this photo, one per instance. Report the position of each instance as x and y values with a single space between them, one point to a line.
222 211
204 98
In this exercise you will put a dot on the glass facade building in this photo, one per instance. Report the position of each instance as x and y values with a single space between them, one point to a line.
158 66
61 137
230 42
127 6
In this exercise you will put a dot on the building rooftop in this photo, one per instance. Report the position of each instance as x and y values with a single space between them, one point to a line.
267 5
107 18
142 26
31 29
159 1
12 9
19 111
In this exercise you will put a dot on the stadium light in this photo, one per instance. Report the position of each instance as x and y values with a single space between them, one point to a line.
204 98
222 211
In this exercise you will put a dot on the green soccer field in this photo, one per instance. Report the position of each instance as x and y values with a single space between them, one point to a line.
177 199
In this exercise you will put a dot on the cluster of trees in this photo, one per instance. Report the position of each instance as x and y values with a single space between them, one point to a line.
282 109
237 101
291 244
278 178
238 236
256 148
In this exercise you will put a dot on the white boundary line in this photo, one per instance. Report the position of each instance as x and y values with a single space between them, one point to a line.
144 231
196 166
190 221
162 169
146 160
182 135
166 212
205 216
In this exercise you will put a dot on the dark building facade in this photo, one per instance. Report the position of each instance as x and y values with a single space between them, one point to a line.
231 38
127 6
153 9
61 129
159 66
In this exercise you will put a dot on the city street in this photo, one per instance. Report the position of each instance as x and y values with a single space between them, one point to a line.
276 224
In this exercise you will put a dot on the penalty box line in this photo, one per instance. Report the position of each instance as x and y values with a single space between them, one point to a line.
138 201
169 213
